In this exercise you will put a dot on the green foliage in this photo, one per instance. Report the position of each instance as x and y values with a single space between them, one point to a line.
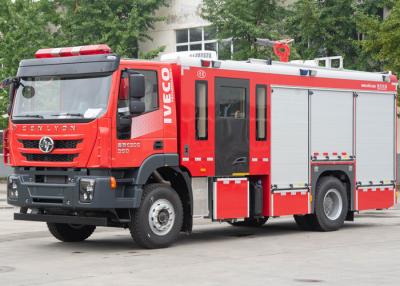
382 38
28 25
332 28
120 24
23 29
244 21
319 28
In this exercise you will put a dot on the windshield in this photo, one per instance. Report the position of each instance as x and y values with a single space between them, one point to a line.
61 97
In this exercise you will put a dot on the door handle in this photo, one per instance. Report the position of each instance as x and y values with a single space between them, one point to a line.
240 160
158 145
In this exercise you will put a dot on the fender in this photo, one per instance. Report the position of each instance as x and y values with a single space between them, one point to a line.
152 163
319 169
156 161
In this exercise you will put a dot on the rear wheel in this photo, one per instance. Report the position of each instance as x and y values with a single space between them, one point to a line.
70 232
158 220
331 204
250 222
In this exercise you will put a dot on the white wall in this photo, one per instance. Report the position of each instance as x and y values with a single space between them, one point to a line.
180 14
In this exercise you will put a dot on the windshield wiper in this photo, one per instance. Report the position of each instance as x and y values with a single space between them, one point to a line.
29 115
68 114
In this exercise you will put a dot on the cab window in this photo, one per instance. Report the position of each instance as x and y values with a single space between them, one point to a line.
151 94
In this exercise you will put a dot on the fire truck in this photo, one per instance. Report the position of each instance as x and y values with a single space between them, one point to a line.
96 140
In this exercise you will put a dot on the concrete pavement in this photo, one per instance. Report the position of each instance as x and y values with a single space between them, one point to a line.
364 252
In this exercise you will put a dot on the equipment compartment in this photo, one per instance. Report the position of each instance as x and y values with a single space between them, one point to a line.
375 198
231 198
290 202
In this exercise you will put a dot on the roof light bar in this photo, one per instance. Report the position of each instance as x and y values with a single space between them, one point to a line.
73 51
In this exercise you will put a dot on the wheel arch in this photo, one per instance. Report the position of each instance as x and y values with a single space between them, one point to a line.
180 180
344 173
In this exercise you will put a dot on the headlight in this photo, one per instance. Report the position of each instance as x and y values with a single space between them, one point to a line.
86 190
12 188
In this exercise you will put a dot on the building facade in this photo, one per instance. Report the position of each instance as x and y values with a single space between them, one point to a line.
183 28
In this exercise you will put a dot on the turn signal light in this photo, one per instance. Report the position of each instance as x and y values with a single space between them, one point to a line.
113 183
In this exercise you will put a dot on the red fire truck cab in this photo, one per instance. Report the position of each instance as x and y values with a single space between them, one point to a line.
96 140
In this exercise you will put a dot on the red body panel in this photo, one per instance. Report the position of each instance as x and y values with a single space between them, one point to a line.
289 203
231 198
375 198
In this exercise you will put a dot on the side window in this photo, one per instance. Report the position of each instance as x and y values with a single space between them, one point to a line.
151 94
261 112
232 102
201 110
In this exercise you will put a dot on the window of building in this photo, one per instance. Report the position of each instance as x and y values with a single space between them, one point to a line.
201 110
201 39
261 112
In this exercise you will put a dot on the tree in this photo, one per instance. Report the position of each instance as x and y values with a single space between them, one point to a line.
23 29
304 26
28 25
323 29
331 28
244 21
382 38
120 24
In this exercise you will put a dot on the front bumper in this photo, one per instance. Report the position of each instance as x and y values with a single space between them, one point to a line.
34 192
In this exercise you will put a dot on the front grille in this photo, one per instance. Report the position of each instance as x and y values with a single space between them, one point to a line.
58 144
50 157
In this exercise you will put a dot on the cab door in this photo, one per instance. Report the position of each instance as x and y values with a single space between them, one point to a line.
144 135
231 126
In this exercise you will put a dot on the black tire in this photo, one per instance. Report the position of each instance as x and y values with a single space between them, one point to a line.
70 233
144 234
251 222
305 222
325 187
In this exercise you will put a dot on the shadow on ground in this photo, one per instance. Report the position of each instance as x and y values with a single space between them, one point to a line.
206 234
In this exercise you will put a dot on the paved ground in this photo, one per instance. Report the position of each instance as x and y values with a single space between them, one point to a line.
366 252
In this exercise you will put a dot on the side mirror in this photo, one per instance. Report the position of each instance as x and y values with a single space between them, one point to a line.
136 106
136 85
136 92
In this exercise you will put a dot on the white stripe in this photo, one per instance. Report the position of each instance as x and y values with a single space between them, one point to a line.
56 52
185 159
248 199
265 159
254 159
231 179
215 200
123 109
210 159
197 159
75 50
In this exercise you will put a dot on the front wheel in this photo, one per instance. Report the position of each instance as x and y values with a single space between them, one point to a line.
70 232
158 220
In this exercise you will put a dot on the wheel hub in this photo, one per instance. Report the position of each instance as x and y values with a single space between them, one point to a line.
333 204
161 217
